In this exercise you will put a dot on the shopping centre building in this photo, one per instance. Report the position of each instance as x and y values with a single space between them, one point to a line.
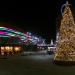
11 41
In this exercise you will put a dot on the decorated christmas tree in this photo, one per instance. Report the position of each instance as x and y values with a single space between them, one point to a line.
65 48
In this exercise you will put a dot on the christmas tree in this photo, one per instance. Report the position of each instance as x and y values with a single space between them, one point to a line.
65 48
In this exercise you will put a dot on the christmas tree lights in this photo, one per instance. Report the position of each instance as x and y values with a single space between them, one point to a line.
65 48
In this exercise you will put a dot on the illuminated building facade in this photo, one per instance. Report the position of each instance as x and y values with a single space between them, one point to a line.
11 41
35 39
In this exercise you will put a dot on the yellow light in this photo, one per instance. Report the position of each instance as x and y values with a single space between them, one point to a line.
7 48
11 48
17 48
2 48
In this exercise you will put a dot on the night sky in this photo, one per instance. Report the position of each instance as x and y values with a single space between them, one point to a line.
38 17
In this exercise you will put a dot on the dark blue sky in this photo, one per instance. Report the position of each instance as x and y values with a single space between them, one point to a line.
39 17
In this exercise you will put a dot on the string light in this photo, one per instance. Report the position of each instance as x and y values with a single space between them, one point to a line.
65 48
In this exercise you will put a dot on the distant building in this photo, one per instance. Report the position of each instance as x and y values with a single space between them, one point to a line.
52 46
11 41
